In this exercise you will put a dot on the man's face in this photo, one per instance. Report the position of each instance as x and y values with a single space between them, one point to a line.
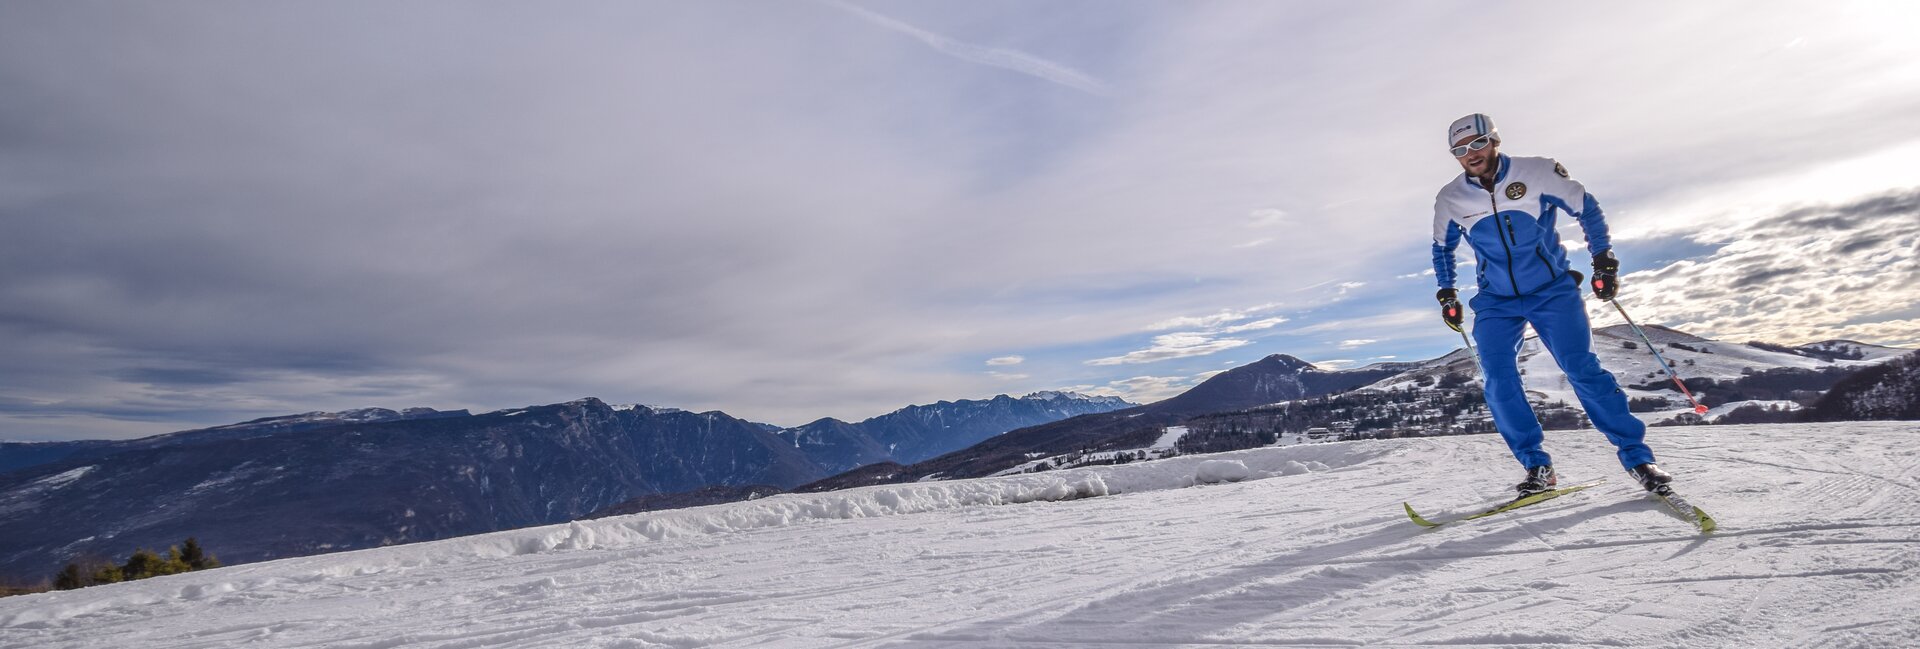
1479 163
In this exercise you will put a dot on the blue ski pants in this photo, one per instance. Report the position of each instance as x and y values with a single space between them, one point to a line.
1557 314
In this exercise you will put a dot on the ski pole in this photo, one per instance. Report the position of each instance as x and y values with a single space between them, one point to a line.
1475 354
1697 408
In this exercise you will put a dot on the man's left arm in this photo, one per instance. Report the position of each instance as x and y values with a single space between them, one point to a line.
1593 222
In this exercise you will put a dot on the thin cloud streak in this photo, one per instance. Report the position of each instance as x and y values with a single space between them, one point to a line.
1014 60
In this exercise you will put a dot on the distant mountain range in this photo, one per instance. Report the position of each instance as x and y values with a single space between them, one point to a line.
320 482
20 455
916 433
323 482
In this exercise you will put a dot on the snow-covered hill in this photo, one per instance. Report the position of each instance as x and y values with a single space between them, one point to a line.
1297 546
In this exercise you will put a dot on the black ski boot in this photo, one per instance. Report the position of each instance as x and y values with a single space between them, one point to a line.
1539 478
1650 477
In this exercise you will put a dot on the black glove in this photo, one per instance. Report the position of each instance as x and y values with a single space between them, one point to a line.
1450 310
1606 276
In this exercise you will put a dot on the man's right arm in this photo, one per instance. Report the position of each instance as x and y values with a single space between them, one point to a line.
1446 239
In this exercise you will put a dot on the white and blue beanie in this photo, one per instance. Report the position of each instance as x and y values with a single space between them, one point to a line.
1475 125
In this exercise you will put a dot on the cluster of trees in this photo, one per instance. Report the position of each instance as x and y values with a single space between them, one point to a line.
1373 414
1086 457
1890 390
1756 414
1841 354
144 563
1648 404
1226 438
1777 384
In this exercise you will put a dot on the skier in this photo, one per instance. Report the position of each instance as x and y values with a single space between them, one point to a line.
1505 207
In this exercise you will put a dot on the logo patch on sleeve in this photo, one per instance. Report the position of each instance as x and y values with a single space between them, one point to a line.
1516 191
1560 170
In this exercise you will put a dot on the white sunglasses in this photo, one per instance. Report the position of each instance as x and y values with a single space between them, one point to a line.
1477 144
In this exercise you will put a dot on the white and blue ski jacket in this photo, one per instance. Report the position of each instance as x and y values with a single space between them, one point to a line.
1511 228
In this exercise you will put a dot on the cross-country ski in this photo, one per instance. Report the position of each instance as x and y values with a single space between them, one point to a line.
1686 510
1508 506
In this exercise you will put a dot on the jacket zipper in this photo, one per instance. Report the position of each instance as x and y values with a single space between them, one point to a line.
1543 260
1495 203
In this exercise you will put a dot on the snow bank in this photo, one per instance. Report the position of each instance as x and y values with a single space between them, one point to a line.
1217 471
771 512
921 497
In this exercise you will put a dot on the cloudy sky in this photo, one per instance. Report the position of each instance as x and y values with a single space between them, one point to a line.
214 211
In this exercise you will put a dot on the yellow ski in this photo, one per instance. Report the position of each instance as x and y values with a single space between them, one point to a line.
1503 507
1686 510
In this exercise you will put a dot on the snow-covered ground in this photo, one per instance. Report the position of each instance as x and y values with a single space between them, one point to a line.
1306 546
1170 437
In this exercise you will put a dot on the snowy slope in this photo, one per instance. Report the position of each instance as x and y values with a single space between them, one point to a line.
1866 352
1819 547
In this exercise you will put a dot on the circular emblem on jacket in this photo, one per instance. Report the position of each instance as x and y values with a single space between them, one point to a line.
1561 170
1516 190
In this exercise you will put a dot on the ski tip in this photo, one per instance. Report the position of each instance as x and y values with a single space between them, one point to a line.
1700 409
1707 524
1417 520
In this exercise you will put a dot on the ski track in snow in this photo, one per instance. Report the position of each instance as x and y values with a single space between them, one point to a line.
1819 547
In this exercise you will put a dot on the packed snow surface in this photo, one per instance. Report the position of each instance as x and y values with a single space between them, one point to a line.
1299 546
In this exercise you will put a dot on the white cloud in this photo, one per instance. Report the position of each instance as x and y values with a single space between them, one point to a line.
1267 323
1205 340
1357 342
1006 360
1148 389
1216 322
1252 244
1266 218
1208 321
1169 346
1005 376
1332 365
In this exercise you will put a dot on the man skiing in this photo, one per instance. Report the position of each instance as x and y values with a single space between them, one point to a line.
1505 208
